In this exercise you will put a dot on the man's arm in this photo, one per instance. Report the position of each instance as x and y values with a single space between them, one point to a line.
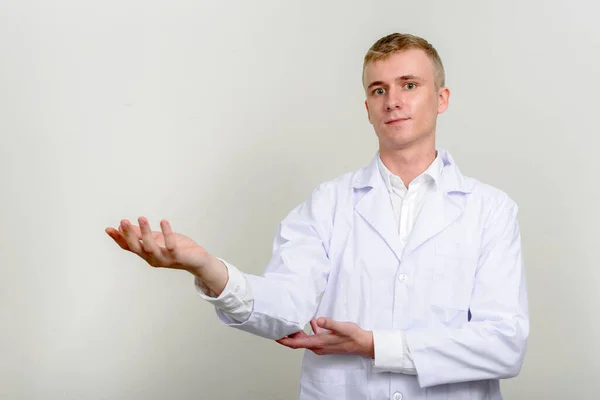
490 346
278 303
285 297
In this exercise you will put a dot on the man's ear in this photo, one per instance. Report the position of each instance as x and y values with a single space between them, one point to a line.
368 112
443 99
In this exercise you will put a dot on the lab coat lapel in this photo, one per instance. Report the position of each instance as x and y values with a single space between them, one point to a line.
437 213
375 206
442 205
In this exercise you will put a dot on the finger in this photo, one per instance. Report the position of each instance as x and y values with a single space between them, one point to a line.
132 239
285 343
309 342
331 349
329 324
297 335
117 237
136 230
316 328
291 343
147 240
170 240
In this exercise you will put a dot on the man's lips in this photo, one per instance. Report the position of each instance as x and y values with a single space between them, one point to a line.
396 121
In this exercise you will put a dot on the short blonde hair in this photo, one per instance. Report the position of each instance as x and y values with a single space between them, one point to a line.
395 42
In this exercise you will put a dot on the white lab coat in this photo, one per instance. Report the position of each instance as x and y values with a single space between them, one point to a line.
338 255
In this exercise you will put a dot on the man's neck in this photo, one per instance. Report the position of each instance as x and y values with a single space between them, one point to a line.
408 163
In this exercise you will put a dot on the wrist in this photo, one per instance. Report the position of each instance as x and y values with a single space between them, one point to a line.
203 265
213 273
368 345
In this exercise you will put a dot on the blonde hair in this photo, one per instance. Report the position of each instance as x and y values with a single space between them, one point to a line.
395 42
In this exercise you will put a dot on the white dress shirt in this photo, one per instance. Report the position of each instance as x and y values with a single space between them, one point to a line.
391 349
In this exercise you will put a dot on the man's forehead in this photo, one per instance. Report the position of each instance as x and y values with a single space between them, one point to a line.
412 62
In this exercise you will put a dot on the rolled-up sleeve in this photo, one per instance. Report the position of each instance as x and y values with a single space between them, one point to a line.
392 353
236 301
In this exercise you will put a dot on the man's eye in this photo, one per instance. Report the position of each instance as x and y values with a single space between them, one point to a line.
410 86
379 91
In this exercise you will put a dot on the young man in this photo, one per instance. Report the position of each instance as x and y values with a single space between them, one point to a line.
409 273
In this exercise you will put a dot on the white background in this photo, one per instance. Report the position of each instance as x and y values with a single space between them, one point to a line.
221 116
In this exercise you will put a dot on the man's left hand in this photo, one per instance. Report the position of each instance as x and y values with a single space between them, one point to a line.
333 337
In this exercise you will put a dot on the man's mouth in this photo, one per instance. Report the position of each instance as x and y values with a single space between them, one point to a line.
396 121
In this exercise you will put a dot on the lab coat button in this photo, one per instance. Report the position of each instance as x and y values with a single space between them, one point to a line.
397 396
402 277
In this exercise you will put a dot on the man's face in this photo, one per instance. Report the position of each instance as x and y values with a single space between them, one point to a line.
402 99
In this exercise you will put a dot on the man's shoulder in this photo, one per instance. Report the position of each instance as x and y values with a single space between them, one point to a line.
344 183
335 191
334 187
477 190
488 195
341 181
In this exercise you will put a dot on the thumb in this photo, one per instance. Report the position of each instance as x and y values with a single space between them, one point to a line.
326 323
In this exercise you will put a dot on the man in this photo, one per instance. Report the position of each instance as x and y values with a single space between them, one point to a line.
409 273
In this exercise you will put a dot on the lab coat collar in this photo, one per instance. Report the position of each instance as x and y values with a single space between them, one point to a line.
442 206
451 179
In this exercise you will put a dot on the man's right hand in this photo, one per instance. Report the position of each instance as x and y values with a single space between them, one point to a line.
168 249
165 249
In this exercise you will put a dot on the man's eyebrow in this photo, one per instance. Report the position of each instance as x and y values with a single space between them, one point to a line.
410 78
376 83
400 78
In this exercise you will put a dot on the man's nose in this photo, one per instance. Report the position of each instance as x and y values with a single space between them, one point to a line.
394 101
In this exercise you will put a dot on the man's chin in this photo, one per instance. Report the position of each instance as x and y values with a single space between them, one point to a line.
403 142
397 139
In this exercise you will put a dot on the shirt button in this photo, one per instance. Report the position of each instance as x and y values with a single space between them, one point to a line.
397 396
402 278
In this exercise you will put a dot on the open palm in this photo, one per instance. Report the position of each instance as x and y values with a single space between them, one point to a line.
165 249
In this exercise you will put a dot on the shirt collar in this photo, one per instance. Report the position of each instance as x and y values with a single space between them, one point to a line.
394 183
450 178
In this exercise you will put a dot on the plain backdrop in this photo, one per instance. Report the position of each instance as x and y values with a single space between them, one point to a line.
221 116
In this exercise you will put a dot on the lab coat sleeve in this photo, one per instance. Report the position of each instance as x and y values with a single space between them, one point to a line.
492 344
392 353
235 301
286 295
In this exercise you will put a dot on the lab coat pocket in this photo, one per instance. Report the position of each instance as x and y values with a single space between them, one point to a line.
337 380
452 278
